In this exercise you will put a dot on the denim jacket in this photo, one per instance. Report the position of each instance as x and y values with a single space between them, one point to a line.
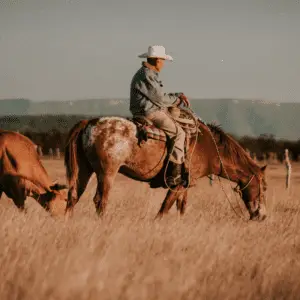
146 93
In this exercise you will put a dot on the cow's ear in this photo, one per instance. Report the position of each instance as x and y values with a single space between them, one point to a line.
57 187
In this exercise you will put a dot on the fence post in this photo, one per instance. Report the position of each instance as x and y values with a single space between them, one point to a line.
270 159
276 160
57 152
254 156
40 151
51 153
288 169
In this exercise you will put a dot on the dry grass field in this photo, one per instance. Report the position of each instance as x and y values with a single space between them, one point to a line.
208 254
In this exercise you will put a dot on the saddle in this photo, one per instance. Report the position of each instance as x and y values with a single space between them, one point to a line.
147 130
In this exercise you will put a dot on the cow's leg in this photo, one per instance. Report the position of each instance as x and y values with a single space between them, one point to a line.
76 191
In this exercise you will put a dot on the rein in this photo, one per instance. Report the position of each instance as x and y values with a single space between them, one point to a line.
237 189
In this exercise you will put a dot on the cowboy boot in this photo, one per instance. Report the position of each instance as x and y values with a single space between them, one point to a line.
185 176
174 174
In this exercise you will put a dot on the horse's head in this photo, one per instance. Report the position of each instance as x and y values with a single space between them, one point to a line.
55 200
252 191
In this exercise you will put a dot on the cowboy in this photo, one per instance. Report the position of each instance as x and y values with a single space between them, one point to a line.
148 99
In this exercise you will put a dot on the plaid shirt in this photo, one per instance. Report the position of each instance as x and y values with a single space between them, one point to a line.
146 93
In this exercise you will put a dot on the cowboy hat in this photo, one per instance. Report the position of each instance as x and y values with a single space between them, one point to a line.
156 52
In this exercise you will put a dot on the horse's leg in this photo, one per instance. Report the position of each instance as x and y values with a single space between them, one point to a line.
181 203
105 182
19 196
20 203
169 200
98 197
77 190
17 193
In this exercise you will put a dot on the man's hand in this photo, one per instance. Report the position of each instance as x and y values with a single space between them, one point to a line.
183 98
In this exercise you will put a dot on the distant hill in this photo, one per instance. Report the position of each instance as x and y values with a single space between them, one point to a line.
239 117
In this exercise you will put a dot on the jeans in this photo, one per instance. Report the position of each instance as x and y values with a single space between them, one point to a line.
163 121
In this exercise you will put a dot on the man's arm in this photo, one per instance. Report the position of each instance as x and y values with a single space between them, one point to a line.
153 91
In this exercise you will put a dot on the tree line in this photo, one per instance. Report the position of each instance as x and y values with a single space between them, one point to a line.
50 132
262 147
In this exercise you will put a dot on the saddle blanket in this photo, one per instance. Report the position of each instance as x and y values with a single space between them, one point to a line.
152 132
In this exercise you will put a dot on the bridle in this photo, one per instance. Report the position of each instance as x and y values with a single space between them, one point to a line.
238 189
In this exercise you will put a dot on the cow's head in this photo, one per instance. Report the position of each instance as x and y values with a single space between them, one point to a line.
55 200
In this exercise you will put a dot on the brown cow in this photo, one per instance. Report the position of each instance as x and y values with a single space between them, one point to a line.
22 173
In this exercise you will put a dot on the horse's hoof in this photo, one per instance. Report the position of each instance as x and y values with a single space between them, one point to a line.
158 216
68 215
261 217
258 217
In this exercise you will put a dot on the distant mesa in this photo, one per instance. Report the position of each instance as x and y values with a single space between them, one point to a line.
14 106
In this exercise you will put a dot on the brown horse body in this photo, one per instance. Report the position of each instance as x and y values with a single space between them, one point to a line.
110 145
22 173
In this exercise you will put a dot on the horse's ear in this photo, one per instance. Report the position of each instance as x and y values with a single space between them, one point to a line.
263 168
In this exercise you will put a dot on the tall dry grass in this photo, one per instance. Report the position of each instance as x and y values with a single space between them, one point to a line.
209 254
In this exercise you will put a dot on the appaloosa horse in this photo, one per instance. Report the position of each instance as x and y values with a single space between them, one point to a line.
112 144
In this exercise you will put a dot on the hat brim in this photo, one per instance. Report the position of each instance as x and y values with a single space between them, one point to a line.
166 57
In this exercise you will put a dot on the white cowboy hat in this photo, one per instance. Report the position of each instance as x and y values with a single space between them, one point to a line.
157 52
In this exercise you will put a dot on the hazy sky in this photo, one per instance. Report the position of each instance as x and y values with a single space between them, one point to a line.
74 49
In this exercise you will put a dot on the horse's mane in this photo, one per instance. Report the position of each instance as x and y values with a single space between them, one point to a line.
231 148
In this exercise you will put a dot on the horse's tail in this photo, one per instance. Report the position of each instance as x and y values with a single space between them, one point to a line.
72 150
